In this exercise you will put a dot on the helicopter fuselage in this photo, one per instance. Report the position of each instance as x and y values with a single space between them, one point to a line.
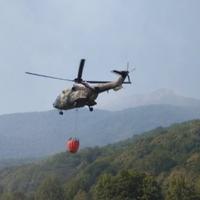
83 94
76 97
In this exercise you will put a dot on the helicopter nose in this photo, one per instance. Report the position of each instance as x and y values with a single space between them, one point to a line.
56 103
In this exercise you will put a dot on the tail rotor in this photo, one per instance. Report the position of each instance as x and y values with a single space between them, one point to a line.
125 73
129 70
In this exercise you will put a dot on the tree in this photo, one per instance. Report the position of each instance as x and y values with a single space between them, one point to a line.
127 186
179 187
104 188
13 196
1 191
81 195
50 189
151 189
6 196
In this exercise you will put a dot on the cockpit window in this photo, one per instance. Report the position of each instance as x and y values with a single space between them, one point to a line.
73 88
65 92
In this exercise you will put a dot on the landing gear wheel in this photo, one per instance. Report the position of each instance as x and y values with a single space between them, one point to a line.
61 112
91 109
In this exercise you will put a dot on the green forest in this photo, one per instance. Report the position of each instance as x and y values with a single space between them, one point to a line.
163 164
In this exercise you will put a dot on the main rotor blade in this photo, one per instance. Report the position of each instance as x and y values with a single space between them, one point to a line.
126 82
98 81
80 71
45 76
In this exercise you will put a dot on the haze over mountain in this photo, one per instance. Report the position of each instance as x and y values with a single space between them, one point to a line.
160 96
43 133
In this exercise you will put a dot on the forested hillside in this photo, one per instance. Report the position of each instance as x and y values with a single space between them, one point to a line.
161 164
45 133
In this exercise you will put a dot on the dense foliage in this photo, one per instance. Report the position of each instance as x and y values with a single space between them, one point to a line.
161 164
127 185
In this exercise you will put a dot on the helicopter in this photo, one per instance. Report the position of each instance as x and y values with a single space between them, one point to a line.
83 92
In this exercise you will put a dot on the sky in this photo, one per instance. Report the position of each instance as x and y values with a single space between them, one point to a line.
160 38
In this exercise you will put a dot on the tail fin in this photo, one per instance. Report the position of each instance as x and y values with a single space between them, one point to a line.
124 74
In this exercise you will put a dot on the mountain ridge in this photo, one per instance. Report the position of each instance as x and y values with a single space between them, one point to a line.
44 133
157 97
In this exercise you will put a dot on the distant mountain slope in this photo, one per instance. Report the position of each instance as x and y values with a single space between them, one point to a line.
44 133
161 152
161 96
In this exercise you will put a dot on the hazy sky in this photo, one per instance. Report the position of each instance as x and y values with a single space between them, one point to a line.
159 37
